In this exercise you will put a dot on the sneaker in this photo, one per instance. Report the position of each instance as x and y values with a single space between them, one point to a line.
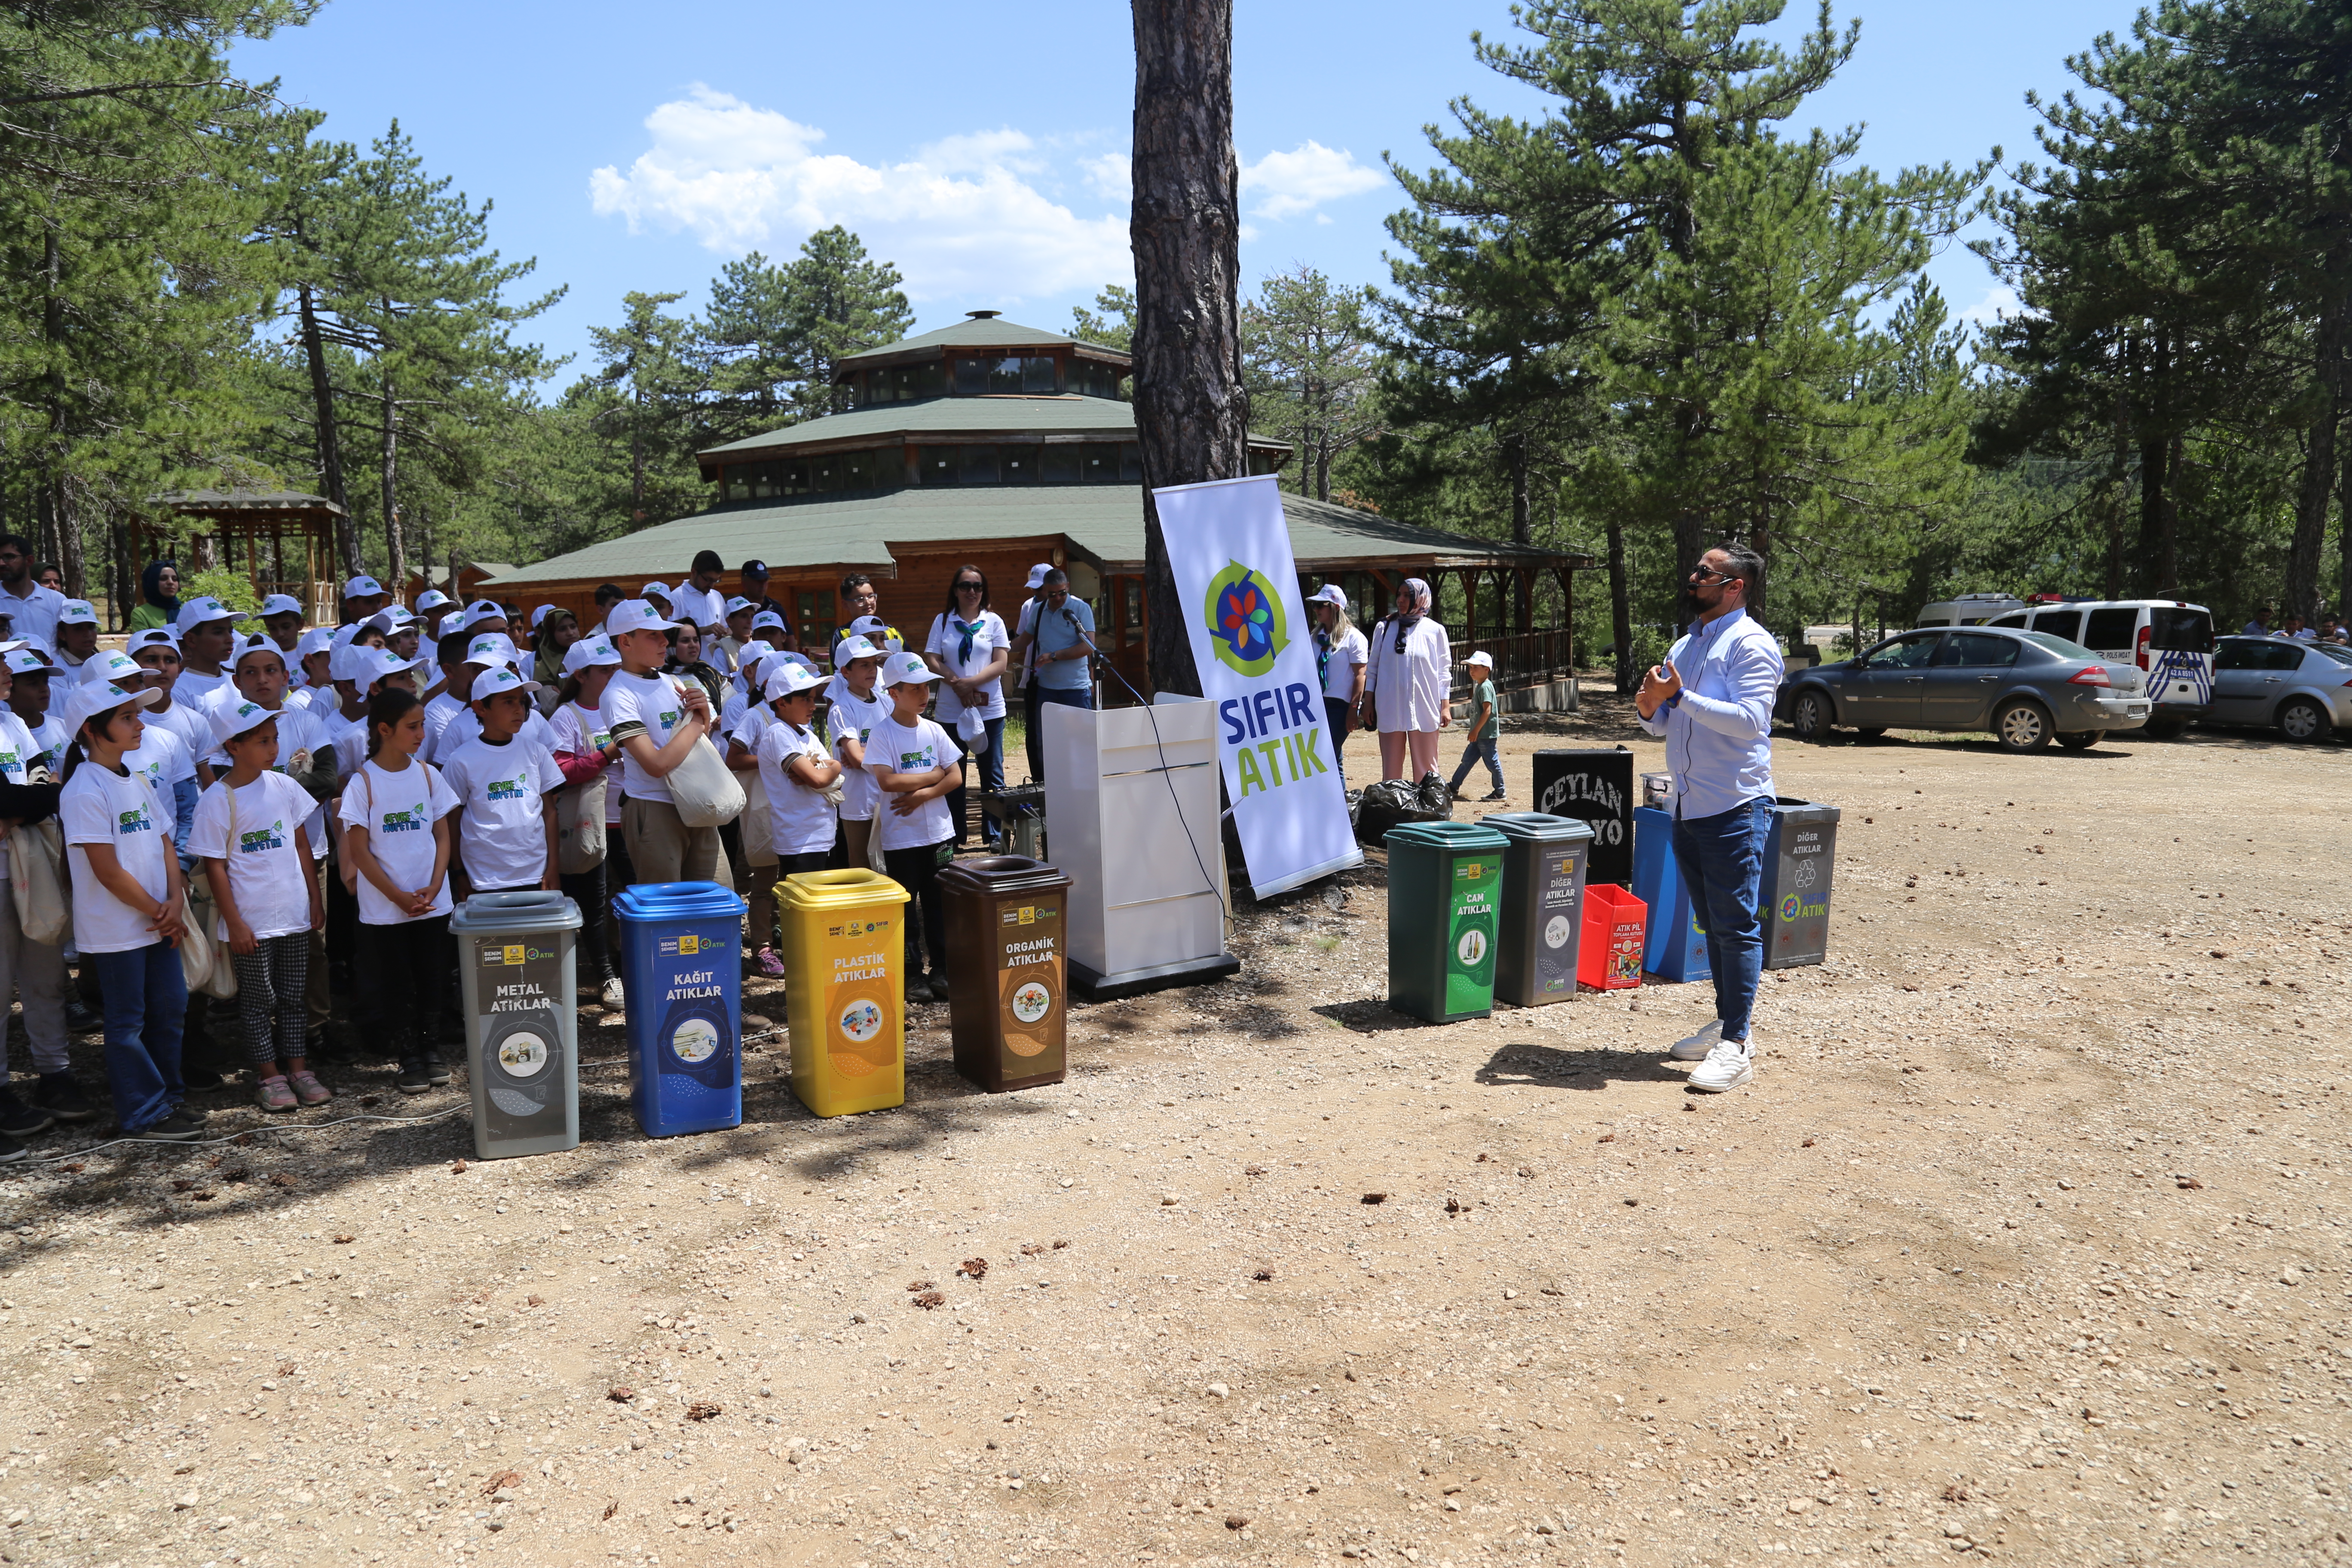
769 964
310 1091
1694 1048
197 1074
437 1071
81 1020
11 1150
1730 1065
180 1127
919 993
413 1078
272 1093
940 986
19 1120
1496 795
616 997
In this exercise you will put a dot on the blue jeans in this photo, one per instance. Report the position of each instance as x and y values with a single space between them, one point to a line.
1722 862
1484 746
144 995
991 770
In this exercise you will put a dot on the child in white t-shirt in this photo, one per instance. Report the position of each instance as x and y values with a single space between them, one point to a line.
253 839
506 791
128 911
913 762
778 742
586 753
858 704
395 817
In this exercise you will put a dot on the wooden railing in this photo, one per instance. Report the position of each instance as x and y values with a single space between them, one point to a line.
1521 659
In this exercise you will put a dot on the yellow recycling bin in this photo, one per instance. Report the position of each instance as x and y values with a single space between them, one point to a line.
843 947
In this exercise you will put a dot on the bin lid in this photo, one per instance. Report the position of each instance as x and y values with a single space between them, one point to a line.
1452 837
523 911
1537 826
1804 810
675 902
855 887
992 874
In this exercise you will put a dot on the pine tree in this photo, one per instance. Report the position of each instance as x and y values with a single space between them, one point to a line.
774 336
1115 327
645 398
1308 358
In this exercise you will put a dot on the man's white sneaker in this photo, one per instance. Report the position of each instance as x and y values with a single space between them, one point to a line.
1695 1048
1730 1065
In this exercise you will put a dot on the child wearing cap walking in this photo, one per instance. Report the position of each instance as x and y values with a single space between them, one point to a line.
127 910
913 762
253 841
506 791
396 818
586 753
1486 726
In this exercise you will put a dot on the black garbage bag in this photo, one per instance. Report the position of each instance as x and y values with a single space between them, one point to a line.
1434 799
1383 805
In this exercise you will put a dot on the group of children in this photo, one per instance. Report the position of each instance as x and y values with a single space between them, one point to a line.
314 800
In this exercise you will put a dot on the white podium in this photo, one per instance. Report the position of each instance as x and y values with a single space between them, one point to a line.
1131 818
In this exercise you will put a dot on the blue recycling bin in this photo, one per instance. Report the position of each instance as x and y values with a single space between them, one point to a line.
1676 945
682 965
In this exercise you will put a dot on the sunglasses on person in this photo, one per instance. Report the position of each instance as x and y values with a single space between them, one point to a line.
1703 573
968 586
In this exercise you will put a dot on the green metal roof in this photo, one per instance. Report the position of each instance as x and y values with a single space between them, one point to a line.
978 332
953 418
1103 523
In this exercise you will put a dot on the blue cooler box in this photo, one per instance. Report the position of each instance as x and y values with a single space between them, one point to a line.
682 965
1677 941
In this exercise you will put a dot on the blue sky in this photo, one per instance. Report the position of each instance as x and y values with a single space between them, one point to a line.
982 148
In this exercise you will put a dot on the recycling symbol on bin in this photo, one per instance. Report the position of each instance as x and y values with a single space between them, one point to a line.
1806 873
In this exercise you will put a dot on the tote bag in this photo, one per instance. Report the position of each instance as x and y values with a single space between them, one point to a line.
36 882
704 788
580 827
758 827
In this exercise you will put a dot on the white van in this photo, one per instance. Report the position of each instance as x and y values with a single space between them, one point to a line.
2168 638
1968 609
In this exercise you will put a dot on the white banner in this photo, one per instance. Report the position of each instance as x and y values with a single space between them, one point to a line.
1254 648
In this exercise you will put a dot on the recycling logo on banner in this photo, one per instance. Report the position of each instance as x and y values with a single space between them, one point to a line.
1245 620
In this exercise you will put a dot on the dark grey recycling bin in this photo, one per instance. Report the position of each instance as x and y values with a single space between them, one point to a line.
518 968
1798 861
1543 905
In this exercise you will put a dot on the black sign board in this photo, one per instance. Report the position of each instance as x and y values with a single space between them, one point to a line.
1596 785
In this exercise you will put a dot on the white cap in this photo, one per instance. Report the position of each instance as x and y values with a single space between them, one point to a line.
231 720
154 636
766 618
349 661
78 613
1038 573
589 651
280 604
432 599
203 610
389 619
503 679
95 697
318 639
1328 593
804 661
635 615
363 587
492 648
105 665
739 603
256 643
849 648
475 614
540 615
370 666
650 589
1481 658
25 661
789 679
907 669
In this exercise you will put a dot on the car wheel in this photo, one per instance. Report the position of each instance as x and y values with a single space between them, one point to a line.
2078 740
2163 729
1811 717
2301 719
2022 726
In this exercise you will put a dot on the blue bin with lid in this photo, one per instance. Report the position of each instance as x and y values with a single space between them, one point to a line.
682 966
1676 946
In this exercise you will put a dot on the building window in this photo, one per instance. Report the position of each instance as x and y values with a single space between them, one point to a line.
1059 465
1092 378
970 377
939 466
814 610
1098 463
1130 462
1037 374
1019 464
979 466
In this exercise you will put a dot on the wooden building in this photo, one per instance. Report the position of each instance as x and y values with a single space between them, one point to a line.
284 540
1000 445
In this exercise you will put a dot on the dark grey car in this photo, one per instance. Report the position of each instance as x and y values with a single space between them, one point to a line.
2303 689
2026 687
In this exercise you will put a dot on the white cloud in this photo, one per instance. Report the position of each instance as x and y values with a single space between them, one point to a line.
1111 176
1304 178
964 217
1999 301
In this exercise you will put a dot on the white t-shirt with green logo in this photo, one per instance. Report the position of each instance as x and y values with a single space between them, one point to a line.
915 748
653 706
502 826
398 810
18 750
267 877
98 806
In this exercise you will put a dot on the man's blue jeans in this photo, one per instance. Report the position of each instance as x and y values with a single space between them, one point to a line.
144 995
1722 862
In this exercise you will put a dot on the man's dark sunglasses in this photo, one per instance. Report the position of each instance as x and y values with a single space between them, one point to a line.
1705 573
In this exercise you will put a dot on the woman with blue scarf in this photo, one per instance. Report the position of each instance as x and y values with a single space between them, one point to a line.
970 649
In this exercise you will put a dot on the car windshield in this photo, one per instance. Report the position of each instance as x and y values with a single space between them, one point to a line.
2059 645
2340 655
2174 629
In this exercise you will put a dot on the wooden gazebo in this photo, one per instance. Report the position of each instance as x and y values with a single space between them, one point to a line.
284 540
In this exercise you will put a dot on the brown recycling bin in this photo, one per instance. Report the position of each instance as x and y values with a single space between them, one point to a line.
1008 941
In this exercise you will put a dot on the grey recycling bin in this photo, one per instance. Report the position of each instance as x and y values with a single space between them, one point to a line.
1798 858
1543 905
517 966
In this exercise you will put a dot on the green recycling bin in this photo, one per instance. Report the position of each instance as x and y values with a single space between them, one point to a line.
1543 905
1445 899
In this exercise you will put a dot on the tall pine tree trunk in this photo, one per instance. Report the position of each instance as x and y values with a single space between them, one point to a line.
2318 464
1515 460
1620 604
2343 526
330 446
70 555
1191 415
395 558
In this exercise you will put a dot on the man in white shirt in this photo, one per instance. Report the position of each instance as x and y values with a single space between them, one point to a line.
32 610
698 601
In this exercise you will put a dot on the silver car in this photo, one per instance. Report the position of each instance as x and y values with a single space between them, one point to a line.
2303 690
2026 687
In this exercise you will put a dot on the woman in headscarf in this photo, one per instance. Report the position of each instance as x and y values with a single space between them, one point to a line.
558 630
1406 685
158 591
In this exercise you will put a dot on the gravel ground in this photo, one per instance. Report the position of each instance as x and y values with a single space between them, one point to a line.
2025 1244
